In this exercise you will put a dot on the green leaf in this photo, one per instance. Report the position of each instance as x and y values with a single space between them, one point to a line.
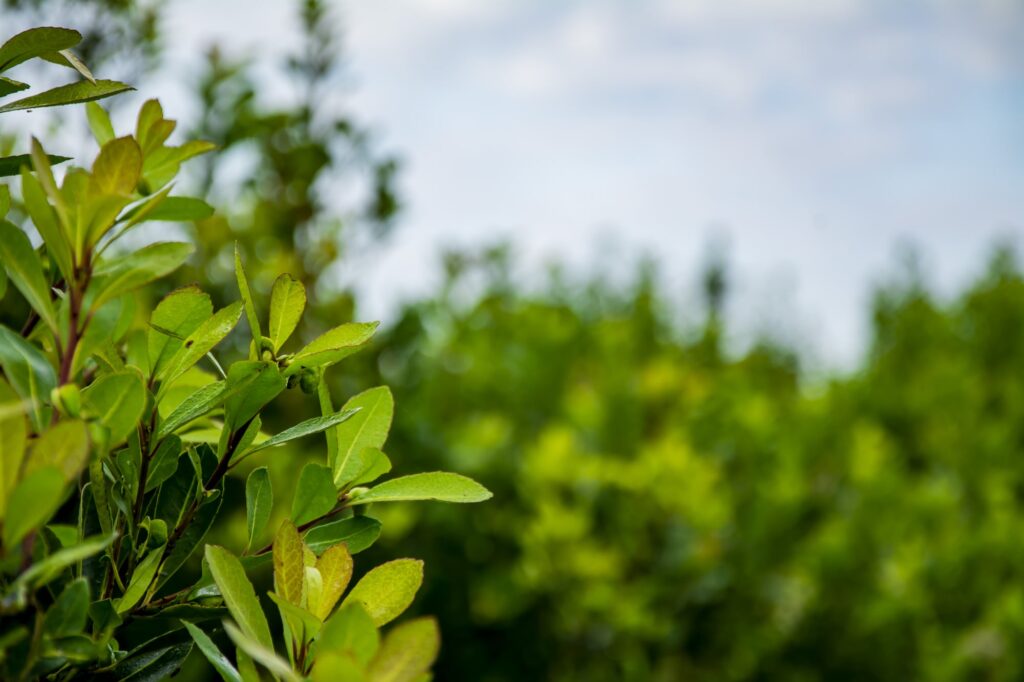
127 273
156 660
35 42
302 429
192 537
250 307
42 572
335 567
407 652
64 447
13 434
70 59
262 653
142 578
289 563
117 167
219 661
202 401
72 93
368 429
287 301
181 209
252 384
238 594
301 622
30 373
164 463
259 500
5 206
358 533
12 165
118 401
178 314
370 464
68 614
387 590
45 220
163 164
9 86
315 494
333 346
25 269
99 123
350 631
335 667
439 485
200 342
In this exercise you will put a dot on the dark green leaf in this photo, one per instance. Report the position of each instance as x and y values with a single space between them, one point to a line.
259 500
238 594
218 660
68 614
73 93
358 533
302 429
35 42
315 494
12 165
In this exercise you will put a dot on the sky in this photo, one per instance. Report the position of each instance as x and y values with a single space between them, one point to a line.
811 141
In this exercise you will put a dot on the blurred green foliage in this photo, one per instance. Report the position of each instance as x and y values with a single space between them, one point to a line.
664 509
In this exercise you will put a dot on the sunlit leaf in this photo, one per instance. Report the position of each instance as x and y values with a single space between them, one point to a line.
438 485
388 590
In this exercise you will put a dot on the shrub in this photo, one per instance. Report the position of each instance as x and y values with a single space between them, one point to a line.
115 443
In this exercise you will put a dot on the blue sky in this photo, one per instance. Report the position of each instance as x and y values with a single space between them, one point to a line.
812 138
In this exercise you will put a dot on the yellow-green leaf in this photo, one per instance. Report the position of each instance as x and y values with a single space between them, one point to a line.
238 593
117 167
13 432
289 567
367 429
407 652
287 301
335 566
388 590
438 485
25 269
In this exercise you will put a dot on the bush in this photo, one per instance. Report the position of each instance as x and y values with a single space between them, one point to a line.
115 443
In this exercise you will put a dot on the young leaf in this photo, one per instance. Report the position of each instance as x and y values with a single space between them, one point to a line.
73 93
142 578
117 401
219 661
289 565
335 567
259 499
287 301
332 346
99 123
439 485
299 621
127 273
305 428
350 631
407 652
30 373
117 167
36 498
331 666
13 434
250 307
24 267
368 429
238 594
358 533
201 341
387 590
315 494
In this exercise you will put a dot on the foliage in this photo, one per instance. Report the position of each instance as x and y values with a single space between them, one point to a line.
116 442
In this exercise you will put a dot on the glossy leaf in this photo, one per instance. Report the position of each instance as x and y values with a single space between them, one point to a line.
219 661
439 485
201 341
259 500
250 306
287 301
238 594
35 42
358 533
73 93
177 315
251 385
25 270
333 346
305 428
315 494
202 401
367 429
388 590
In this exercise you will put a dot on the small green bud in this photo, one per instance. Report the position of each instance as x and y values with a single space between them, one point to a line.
67 399
308 382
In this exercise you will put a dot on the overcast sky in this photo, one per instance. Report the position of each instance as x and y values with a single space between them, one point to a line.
812 138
